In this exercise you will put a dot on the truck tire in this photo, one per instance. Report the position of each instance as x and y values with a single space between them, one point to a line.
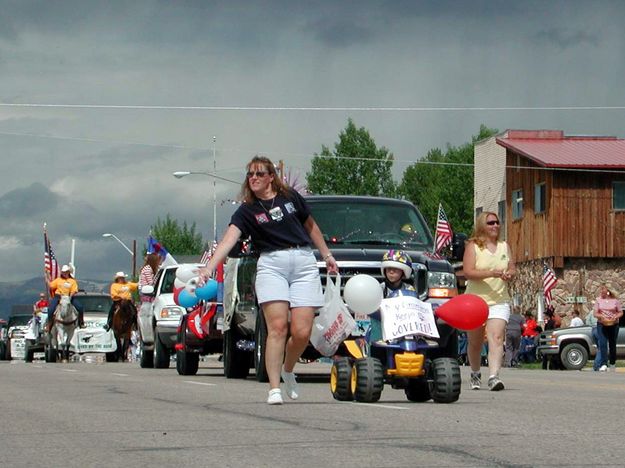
369 379
574 356
111 357
50 354
342 380
186 363
260 341
28 351
146 361
446 380
418 390
236 361
161 354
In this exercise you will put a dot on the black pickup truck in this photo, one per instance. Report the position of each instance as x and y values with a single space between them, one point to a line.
358 230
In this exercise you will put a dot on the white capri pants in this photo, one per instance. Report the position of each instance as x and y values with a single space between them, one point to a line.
289 275
499 311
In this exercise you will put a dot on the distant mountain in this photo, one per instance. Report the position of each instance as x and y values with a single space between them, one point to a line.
27 292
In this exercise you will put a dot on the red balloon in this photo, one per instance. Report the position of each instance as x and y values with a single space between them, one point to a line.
177 293
464 312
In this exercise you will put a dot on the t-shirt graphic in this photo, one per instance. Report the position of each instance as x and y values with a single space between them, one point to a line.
262 218
276 213
290 208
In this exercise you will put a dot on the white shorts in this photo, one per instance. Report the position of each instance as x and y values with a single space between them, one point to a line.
289 275
499 311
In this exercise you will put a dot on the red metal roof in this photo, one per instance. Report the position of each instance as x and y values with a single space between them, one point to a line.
551 148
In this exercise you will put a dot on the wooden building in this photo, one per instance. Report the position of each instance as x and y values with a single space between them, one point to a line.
564 199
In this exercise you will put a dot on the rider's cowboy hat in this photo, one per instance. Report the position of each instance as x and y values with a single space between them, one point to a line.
120 274
65 268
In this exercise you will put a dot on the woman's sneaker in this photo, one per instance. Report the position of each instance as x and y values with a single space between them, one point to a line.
275 397
603 368
290 383
494 384
476 380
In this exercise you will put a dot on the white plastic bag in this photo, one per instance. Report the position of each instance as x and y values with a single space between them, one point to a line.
334 322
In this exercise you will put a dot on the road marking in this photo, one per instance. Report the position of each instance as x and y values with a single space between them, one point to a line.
375 405
38 367
120 375
200 383
69 370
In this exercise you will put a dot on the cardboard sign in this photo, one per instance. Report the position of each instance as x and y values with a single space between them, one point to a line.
406 315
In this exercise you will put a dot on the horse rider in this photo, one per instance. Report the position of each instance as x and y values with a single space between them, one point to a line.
64 285
121 290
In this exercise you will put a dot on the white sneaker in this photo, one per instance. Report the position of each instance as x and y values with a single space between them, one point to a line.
603 368
275 397
476 380
290 383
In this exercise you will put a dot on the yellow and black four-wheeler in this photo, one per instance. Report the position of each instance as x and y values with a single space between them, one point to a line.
412 363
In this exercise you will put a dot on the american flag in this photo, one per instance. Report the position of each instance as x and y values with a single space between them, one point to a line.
206 256
549 282
50 264
443 230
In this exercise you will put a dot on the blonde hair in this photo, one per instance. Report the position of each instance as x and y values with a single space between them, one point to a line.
480 233
278 185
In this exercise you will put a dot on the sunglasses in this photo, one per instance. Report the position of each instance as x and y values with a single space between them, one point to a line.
251 174
492 223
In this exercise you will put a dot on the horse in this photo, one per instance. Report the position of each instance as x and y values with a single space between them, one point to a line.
62 330
124 317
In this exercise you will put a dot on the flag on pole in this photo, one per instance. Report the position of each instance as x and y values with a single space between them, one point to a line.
549 282
444 234
155 247
50 264
208 253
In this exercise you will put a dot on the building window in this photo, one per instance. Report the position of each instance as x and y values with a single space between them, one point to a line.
618 195
478 210
501 212
517 204
540 191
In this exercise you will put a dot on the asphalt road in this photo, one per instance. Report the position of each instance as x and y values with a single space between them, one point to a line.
88 414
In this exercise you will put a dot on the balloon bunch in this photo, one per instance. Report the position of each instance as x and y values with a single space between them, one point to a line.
188 287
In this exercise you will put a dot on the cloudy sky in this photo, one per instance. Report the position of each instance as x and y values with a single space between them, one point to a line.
146 86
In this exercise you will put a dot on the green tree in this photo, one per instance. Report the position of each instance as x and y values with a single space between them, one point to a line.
445 178
344 170
177 239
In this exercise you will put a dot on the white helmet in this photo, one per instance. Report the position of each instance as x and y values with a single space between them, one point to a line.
397 259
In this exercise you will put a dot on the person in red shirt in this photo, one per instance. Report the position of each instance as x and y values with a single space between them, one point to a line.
41 304
530 327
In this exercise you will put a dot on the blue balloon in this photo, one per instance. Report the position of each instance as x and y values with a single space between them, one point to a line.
186 299
208 291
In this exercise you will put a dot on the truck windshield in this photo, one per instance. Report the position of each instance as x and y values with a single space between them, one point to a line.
371 223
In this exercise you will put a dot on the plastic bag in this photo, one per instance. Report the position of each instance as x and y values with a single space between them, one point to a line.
334 322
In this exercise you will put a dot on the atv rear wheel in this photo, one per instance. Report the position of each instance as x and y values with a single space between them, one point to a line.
342 380
369 379
418 390
446 380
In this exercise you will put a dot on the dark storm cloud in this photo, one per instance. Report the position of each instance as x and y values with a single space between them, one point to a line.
27 202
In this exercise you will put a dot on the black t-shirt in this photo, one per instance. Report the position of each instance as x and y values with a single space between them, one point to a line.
274 224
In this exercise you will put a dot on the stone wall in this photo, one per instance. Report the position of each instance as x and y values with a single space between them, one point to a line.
580 277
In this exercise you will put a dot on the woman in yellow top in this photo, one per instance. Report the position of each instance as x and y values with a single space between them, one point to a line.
488 266
121 290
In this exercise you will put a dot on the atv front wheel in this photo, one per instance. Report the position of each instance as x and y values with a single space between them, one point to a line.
369 377
342 380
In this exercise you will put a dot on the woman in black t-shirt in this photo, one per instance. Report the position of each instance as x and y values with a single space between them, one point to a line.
278 220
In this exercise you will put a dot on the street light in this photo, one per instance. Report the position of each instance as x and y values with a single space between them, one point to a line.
132 252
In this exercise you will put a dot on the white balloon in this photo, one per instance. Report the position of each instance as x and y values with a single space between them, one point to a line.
185 272
179 284
363 294
192 284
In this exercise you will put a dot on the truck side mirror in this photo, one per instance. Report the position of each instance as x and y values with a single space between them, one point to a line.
457 246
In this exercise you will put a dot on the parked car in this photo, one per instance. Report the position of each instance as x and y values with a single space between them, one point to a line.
3 338
358 230
158 326
574 346
17 326
91 339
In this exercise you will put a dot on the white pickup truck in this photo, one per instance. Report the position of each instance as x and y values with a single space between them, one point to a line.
159 320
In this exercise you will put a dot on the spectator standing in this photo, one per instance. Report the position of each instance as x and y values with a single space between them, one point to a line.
608 311
598 338
576 321
488 266
513 338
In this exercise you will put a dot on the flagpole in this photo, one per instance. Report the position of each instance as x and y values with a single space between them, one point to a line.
45 248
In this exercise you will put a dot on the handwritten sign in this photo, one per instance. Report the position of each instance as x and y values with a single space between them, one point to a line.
406 315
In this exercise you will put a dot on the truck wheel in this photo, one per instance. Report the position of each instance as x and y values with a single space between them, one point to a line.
186 363
236 361
28 352
446 380
342 380
260 340
111 357
50 354
161 354
146 361
418 390
574 356
369 376
3 356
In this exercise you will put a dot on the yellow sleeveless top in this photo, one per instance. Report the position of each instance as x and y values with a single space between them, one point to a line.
492 290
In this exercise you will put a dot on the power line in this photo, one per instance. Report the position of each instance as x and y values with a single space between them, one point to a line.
311 109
